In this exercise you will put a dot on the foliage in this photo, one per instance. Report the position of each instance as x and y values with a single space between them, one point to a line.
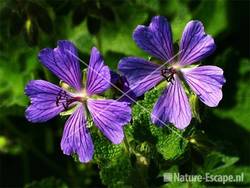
217 141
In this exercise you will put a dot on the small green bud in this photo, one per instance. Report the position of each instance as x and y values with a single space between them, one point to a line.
28 25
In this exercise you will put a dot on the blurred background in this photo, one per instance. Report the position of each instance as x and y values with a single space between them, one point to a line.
30 154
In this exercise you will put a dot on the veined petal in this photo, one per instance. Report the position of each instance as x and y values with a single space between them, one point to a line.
114 77
141 75
63 62
76 137
98 74
47 100
128 95
110 116
156 39
206 82
195 44
172 106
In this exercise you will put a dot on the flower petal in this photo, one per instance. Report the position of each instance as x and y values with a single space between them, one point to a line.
156 39
76 137
195 44
45 100
121 85
114 77
98 74
141 75
110 116
63 62
206 82
172 106
128 95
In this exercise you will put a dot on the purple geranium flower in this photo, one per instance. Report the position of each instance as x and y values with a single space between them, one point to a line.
121 84
206 81
48 100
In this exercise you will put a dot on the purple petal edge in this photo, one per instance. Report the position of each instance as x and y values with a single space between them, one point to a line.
195 44
44 100
156 39
63 62
172 107
110 116
98 74
206 82
76 137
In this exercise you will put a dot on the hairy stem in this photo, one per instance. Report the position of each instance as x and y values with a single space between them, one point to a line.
126 144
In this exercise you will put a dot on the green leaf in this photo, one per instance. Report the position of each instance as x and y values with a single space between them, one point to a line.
169 141
214 21
177 14
238 170
117 37
172 145
217 162
9 146
117 173
104 150
3 143
81 38
15 72
181 18
149 5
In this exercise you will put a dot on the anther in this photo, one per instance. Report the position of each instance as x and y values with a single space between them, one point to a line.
168 74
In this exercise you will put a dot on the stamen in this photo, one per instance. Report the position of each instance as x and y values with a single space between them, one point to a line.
168 73
64 99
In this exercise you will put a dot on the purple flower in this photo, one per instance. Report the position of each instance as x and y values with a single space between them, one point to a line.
48 100
121 84
206 81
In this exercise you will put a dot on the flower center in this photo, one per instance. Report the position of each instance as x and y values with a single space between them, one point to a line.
82 96
168 73
66 100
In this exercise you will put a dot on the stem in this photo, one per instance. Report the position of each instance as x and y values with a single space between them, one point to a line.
126 144
47 74
140 169
99 41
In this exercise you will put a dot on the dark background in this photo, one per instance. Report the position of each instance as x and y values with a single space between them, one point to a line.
30 153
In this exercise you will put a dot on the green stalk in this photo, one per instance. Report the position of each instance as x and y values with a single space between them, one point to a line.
126 145
47 74
99 41
140 169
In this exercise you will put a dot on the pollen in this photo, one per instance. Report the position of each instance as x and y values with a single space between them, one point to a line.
176 67
81 96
